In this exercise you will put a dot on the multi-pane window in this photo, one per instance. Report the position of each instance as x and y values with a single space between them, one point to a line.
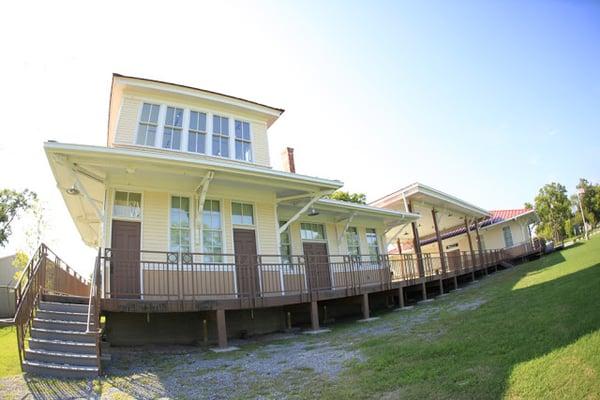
212 238
180 224
127 205
220 138
285 244
372 243
508 239
172 128
243 149
148 124
312 231
242 214
353 241
197 132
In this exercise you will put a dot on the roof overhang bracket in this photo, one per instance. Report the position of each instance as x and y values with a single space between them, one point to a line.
316 196
85 194
348 222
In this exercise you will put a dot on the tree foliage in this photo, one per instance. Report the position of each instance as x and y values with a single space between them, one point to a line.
590 201
359 198
554 210
19 263
11 204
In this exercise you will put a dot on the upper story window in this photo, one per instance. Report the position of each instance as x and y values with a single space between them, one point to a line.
220 140
508 239
353 241
172 129
243 149
312 231
127 205
242 214
372 243
197 132
148 125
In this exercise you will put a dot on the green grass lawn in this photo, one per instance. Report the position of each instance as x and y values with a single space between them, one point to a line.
529 332
537 335
9 356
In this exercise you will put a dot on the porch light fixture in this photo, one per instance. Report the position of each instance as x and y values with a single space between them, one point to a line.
73 191
313 212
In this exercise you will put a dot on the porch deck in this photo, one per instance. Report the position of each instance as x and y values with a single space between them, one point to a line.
160 282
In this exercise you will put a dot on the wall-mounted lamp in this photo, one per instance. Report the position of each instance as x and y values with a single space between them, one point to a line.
73 191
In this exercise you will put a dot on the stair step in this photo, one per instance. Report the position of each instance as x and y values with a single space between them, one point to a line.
62 315
62 346
59 370
38 355
56 334
60 325
67 307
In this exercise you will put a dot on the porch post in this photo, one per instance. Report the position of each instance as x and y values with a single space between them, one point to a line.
221 329
424 291
479 247
365 305
439 240
417 244
470 248
314 315
399 246
401 297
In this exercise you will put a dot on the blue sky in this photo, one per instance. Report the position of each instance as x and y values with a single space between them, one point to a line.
486 100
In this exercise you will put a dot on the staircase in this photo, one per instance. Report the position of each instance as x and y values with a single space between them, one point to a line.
58 344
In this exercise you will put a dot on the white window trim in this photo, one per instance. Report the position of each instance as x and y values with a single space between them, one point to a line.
121 218
221 213
162 115
250 141
192 217
245 226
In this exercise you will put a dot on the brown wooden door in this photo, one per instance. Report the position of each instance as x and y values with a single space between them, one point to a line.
244 242
317 262
453 258
125 260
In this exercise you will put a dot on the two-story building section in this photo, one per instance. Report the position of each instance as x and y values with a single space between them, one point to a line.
192 221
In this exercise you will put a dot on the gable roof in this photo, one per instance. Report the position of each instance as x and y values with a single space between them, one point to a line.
116 75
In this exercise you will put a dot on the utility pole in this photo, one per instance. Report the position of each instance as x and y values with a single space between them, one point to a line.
580 193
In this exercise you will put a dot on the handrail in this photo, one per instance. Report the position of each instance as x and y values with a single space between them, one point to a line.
93 292
42 275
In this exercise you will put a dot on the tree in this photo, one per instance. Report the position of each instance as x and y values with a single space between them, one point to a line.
590 201
554 209
11 204
359 198
528 206
20 262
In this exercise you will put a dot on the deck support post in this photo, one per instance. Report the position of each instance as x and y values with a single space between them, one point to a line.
221 329
424 291
455 282
314 315
365 306
401 297
441 286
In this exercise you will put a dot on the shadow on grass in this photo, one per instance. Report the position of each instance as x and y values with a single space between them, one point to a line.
479 349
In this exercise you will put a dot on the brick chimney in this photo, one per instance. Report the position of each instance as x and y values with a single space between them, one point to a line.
288 160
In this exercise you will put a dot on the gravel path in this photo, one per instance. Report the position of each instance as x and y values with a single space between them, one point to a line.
271 367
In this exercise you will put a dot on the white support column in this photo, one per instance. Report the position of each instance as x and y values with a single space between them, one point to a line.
201 199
